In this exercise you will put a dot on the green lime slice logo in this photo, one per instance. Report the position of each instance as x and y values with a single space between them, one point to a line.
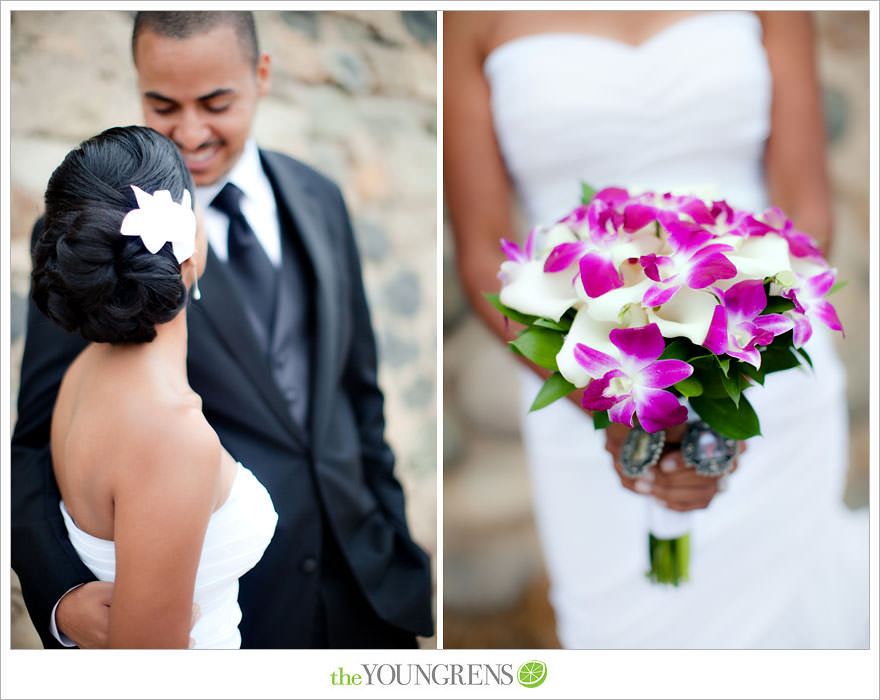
532 673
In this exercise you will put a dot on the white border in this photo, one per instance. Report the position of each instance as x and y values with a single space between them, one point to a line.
572 674
5 330
438 621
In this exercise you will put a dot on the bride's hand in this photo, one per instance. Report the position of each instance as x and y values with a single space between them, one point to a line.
83 614
670 481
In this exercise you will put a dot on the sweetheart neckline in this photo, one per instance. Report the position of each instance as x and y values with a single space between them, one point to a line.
626 47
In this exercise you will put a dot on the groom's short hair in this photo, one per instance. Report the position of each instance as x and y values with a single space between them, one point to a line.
183 25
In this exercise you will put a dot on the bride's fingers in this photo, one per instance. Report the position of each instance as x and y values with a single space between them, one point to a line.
673 483
688 505
685 479
640 485
684 489
686 498
669 463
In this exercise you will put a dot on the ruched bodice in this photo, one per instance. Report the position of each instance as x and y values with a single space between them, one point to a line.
237 535
687 108
777 560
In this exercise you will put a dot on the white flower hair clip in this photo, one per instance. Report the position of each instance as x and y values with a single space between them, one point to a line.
159 219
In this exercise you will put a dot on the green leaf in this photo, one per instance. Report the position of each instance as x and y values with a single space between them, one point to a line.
735 422
731 388
540 345
803 353
678 349
684 349
689 387
783 340
724 364
743 378
554 388
709 373
601 420
837 286
747 370
564 324
777 305
776 359
512 314
587 193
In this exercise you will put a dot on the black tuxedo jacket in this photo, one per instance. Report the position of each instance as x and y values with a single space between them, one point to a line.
338 462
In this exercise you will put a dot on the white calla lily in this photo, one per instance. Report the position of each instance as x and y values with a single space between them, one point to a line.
805 267
530 290
587 330
610 305
622 251
552 237
688 314
758 257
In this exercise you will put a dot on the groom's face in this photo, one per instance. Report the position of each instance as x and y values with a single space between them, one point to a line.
202 93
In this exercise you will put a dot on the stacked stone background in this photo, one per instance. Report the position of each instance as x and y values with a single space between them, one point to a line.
353 94
494 585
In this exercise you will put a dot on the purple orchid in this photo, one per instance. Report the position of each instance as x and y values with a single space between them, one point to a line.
693 263
524 284
517 254
737 327
599 256
576 217
730 221
666 209
634 384
809 300
800 244
613 196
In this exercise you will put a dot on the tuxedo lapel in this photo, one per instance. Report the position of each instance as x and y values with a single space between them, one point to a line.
228 316
305 211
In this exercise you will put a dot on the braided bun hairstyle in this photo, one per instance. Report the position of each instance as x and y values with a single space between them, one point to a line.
88 277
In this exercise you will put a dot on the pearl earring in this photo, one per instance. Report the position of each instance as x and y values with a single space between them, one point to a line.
196 292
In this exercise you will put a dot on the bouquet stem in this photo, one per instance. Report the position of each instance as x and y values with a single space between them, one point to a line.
668 544
669 559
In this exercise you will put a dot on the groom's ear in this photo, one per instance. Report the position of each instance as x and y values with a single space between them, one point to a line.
264 82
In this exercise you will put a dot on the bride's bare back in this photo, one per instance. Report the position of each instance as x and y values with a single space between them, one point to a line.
115 410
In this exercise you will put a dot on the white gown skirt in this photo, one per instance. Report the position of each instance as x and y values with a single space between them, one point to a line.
777 560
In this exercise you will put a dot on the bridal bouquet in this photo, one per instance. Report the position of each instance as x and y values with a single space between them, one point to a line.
662 307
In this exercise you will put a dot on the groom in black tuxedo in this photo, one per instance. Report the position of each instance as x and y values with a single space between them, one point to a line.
281 351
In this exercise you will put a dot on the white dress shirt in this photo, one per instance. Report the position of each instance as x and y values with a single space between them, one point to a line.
258 206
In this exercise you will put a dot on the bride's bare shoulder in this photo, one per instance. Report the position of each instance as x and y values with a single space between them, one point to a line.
166 444
472 33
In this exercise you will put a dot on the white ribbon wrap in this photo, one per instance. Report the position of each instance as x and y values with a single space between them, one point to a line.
667 524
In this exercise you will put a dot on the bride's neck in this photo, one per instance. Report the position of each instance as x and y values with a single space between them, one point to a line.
166 352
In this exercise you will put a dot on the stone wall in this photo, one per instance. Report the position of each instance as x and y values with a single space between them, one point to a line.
354 95
494 586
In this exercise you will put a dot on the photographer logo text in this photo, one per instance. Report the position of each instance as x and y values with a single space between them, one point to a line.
531 674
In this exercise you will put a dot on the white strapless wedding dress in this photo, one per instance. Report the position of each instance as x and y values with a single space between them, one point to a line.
777 560
238 533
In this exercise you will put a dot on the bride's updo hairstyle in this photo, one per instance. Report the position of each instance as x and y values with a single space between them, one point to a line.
87 276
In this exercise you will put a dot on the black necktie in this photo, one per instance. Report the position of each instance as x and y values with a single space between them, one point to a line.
248 261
